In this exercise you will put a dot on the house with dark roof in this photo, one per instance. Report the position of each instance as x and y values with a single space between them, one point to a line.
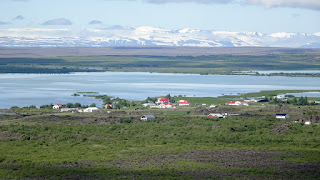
147 117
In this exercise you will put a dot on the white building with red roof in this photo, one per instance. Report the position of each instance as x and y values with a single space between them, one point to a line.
162 101
238 103
57 106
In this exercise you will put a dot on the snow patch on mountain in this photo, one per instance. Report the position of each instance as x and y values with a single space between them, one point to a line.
151 36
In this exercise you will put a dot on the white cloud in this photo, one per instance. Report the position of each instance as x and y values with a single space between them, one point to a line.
19 17
3 23
95 22
195 1
306 4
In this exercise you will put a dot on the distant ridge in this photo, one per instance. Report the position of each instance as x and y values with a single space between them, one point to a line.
119 36
145 51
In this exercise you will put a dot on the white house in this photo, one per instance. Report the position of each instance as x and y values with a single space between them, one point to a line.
162 106
57 106
162 101
281 96
307 123
108 106
212 115
147 117
238 103
282 116
147 104
212 106
68 109
154 106
91 109
184 103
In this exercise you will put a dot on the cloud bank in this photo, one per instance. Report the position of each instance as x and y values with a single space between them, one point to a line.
183 1
306 4
61 21
3 23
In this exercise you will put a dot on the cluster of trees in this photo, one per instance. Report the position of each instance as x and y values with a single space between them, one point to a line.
302 101
153 100
68 105
27 107
117 103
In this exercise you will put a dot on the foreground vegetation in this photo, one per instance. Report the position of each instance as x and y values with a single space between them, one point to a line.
180 143
212 64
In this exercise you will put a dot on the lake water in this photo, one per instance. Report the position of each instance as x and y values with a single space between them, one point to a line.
39 89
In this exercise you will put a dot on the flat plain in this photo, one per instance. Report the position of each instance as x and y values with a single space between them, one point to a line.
162 60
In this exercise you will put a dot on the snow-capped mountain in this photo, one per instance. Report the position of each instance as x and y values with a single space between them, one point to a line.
151 36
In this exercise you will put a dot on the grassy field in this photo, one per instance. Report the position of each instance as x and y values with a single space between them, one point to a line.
211 64
180 143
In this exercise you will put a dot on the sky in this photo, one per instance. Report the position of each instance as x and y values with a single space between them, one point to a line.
266 16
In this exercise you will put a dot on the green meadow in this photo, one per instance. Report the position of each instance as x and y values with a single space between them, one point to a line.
211 64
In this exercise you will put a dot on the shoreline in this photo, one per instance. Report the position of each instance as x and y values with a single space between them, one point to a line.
263 93
251 73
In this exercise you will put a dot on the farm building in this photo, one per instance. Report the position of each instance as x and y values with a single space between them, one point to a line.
281 96
147 104
91 109
147 117
162 101
57 106
108 106
162 106
282 116
213 115
307 123
184 103
238 103
68 109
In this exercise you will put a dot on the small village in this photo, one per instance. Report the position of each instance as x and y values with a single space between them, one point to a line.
164 103
169 130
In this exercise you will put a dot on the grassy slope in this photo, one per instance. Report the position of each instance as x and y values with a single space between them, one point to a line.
100 146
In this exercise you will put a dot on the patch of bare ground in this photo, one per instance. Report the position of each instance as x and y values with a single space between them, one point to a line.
221 110
76 164
11 117
224 164
9 135
82 119
280 128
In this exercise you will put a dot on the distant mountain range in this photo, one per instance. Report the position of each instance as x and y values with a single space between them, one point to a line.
151 36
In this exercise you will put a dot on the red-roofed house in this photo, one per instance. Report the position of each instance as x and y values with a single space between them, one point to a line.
57 106
108 106
238 103
162 101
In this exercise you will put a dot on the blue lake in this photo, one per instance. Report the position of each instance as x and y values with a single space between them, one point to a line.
39 89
